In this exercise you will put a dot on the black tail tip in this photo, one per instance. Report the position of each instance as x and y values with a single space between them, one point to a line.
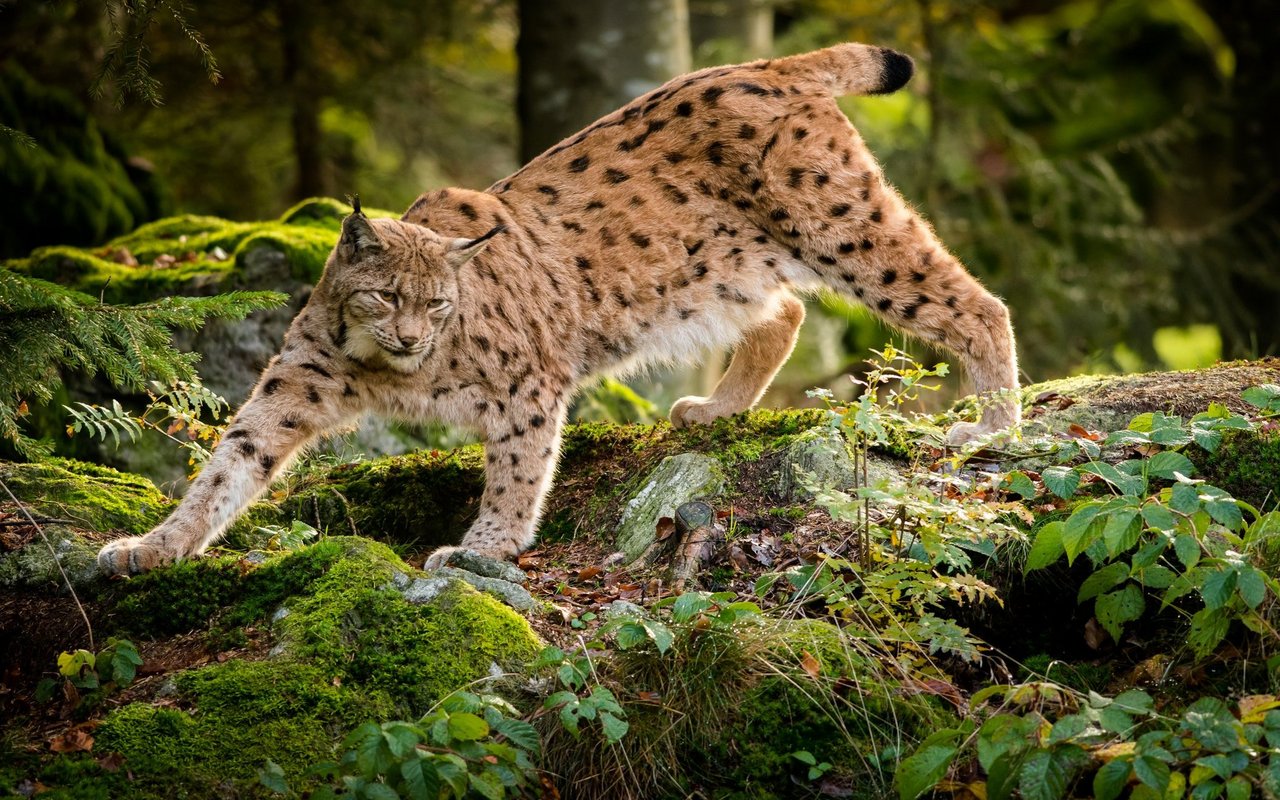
895 70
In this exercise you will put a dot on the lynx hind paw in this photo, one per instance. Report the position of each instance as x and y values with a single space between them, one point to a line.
447 556
132 555
696 411
963 433
440 558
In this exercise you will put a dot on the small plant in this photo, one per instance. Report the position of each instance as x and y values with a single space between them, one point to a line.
295 537
469 745
582 698
178 408
96 675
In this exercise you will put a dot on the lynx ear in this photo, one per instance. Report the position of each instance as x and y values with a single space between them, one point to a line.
358 237
460 251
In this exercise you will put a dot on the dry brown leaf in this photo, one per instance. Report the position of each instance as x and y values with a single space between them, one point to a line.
810 664
1095 636
666 527
589 573
73 741
1080 432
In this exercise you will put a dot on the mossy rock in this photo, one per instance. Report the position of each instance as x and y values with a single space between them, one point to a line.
89 496
348 648
1247 466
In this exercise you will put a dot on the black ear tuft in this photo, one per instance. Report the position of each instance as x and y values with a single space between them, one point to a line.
492 232
354 200
460 251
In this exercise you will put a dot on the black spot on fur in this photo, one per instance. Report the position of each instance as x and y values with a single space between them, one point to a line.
747 131
580 164
272 386
268 462
640 240
675 158
582 262
800 133
715 153
795 175
246 448
840 210
888 276
537 421
918 277
867 244
317 369
685 313
439 391
219 479
846 247
552 193
743 203
571 226
684 109
828 260
764 151
779 214
699 270
289 422
312 395
755 185
876 216
621 299
695 247
711 94
675 193
752 88
615 176
237 433
468 211
594 204
660 289
821 179
481 342
885 304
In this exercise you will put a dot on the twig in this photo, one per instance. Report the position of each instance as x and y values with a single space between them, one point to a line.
47 520
83 614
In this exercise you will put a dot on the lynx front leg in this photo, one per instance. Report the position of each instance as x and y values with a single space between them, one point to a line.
519 464
757 359
289 408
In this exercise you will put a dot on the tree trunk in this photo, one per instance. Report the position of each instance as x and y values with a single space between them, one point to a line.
1250 28
746 26
581 60
304 98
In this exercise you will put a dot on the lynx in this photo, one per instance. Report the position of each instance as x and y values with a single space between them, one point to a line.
683 222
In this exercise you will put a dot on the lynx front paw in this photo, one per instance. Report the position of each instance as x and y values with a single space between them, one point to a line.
697 411
133 555
963 433
445 555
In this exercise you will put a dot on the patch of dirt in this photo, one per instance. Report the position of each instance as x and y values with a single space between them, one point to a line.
1183 393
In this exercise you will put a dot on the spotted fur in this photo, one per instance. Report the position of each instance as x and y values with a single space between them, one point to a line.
682 222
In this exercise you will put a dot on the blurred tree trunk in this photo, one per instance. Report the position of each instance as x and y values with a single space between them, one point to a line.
747 24
581 60
304 96
1251 29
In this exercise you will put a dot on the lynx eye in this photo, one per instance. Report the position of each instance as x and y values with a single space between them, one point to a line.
387 296
437 303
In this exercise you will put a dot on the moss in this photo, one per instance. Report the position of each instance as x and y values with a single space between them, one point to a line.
1246 465
305 247
356 626
850 716
94 497
193 594
1081 677
243 713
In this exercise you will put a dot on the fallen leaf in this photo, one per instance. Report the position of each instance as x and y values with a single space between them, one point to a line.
588 573
649 697
1080 432
528 560
1095 636
73 741
739 558
666 527
937 688
1113 751
112 762
1254 707
810 664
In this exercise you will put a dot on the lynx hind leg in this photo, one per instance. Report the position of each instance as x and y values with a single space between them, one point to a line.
762 352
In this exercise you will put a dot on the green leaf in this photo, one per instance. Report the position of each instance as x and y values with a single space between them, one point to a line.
1208 628
805 757
1239 788
1047 547
614 728
1213 725
272 776
1018 483
1110 781
487 785
1129 485
520 733
1062 481
1265 396
1217 587
660 634
420 779
1222 507
378 791
1163 465
921 771
1103 580
689 605
467 727
1187 548
1252 586
1119 607
1152 772
1080 530
629 634
1121 531
1043 777
1184 498
1156 577
1158 517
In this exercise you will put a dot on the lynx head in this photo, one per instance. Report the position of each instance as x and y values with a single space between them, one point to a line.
395 285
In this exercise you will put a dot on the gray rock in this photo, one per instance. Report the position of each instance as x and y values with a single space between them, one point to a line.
485 566
34 567
674 482
424 590
622 608
819 459
513 594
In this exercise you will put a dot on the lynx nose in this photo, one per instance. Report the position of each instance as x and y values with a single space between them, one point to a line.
408 341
